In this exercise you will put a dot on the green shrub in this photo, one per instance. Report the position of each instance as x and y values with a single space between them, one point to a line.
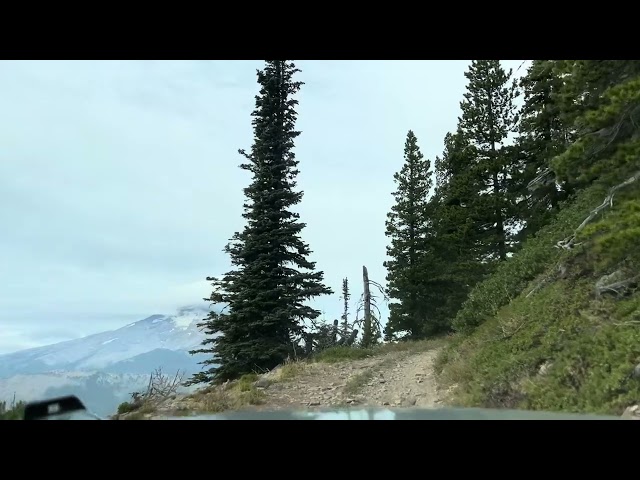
245 383
342 354
536 256
564 347
290 370
14 411
126 407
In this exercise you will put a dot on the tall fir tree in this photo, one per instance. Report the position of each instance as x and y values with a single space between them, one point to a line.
273 278
456 240
407 227
542 136
489 115
345 328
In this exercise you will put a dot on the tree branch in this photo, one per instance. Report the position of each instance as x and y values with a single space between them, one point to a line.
569 242
615 287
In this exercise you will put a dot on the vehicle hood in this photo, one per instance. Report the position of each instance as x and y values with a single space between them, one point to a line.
395 414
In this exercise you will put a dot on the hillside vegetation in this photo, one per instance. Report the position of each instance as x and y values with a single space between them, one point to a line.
554 329
557 326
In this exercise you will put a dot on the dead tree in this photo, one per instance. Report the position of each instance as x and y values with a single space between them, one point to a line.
370 323
308 343
320 337
352 337
367 334
160 388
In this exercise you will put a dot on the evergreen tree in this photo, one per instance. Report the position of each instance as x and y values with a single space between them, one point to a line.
543 136
272 278
345 329
602 107
457 191
488 117
407 226
455 241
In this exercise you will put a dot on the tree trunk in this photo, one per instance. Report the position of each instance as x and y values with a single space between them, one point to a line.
367 334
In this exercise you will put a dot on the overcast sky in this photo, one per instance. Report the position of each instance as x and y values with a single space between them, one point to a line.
119 180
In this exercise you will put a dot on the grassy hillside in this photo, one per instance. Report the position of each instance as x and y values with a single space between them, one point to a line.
542 333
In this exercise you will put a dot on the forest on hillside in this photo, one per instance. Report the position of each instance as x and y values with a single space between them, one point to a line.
510 175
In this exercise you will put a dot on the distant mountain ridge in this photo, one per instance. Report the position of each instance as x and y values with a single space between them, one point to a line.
104 368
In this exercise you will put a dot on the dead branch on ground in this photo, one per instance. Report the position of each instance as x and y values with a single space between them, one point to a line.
617 287
569 242
159 388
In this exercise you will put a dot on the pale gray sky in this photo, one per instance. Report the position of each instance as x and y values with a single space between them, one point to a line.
119 180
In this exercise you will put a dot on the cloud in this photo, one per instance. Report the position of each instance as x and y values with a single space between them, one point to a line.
120 186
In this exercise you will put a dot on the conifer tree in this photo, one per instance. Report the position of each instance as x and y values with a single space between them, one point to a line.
543 136
455 240
272 276
407 227
602 107
488 117
345 329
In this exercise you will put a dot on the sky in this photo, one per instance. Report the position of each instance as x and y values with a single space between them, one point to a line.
120 186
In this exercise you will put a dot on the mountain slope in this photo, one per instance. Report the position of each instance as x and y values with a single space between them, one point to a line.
105 368
176 332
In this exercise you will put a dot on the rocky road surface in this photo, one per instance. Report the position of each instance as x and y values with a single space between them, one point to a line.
395 379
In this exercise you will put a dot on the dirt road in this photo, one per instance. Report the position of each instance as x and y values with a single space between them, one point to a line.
399 378
394 379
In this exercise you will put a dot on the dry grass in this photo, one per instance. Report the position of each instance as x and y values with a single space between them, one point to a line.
233 396
349 354
414 346
290 370
135 416
358 382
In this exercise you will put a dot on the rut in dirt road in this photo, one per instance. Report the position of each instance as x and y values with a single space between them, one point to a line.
408 381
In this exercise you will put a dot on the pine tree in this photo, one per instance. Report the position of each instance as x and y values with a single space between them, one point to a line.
407 227
272 278
488 117
345 329
602 107
456 239
543 136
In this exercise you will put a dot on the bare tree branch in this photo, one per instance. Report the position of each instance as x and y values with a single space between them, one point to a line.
159 388
618 287
543 178
569 242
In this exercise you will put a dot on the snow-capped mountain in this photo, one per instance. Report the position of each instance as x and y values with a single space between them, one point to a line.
104 368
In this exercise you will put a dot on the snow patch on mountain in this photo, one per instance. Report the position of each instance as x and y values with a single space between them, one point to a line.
187 317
